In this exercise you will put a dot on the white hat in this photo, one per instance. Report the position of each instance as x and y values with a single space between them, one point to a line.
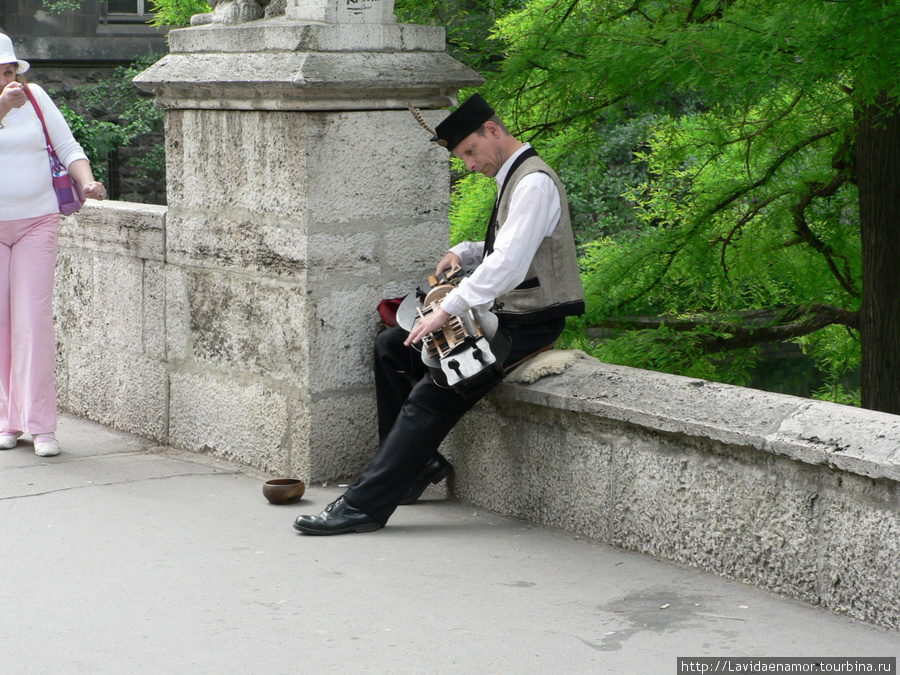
8 55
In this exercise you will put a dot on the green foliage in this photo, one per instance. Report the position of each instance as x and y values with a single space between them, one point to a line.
136 113
153 161
470 209
670 351
599 170
469 25
177 12
836 352
93 138
60 6
707 147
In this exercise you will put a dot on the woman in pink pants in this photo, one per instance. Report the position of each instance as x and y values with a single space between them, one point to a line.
29 225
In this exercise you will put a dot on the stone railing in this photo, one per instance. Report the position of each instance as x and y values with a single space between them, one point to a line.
110 305
796 496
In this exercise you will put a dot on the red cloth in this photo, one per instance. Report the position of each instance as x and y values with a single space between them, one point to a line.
387 310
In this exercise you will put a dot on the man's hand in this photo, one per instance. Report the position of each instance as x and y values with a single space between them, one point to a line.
447 262
429 324
438 317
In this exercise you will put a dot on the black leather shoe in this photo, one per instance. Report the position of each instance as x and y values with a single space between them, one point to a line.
339 517
434 472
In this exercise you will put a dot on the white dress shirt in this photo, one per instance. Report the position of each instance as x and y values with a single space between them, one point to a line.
534 212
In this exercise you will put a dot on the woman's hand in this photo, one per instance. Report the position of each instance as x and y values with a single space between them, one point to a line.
81 172
12 96
95 190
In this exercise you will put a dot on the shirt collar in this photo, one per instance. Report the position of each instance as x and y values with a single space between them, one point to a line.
501 174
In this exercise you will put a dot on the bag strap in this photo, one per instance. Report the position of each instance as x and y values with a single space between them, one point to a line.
40 115
54 160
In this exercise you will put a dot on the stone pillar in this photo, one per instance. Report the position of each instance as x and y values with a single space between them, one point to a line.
301 192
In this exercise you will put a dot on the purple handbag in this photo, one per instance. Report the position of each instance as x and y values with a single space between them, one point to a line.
68 192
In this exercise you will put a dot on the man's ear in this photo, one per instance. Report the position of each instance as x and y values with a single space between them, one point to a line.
493 129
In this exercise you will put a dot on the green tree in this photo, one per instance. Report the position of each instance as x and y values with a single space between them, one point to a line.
468 23
97 139
135 115
136 112
60 6
177 12
770 211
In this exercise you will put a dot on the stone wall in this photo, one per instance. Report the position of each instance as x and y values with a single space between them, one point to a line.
110 313
796 496
300 193
272 289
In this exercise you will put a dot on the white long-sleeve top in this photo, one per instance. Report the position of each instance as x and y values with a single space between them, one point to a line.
26 186
533 214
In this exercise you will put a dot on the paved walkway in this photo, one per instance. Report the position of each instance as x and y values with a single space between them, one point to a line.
122 557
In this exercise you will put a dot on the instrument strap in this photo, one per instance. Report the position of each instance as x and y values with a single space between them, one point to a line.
491 234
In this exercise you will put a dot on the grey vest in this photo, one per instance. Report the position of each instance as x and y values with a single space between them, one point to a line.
552 288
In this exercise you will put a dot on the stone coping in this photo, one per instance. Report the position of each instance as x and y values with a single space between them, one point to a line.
123 228
280 34
307 80
862 442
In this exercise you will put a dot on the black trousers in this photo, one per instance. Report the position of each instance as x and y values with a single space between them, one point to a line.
415 414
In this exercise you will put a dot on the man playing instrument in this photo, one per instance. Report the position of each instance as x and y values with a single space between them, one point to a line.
527 275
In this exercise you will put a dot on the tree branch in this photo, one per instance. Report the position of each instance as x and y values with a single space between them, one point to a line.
770 171
845 279
715 14
739 226
754 327
690 15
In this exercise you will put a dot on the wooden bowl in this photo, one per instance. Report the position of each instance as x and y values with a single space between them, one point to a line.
284 490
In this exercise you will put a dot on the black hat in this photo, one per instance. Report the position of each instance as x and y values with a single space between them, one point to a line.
467 118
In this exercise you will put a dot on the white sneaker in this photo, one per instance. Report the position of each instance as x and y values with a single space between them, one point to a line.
9 440
46 448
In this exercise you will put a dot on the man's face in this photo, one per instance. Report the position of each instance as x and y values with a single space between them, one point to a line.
482 153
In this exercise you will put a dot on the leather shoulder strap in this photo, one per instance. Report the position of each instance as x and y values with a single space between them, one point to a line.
491 234
55 165
40 115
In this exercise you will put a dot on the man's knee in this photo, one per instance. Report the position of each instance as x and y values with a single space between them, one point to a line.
390 343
